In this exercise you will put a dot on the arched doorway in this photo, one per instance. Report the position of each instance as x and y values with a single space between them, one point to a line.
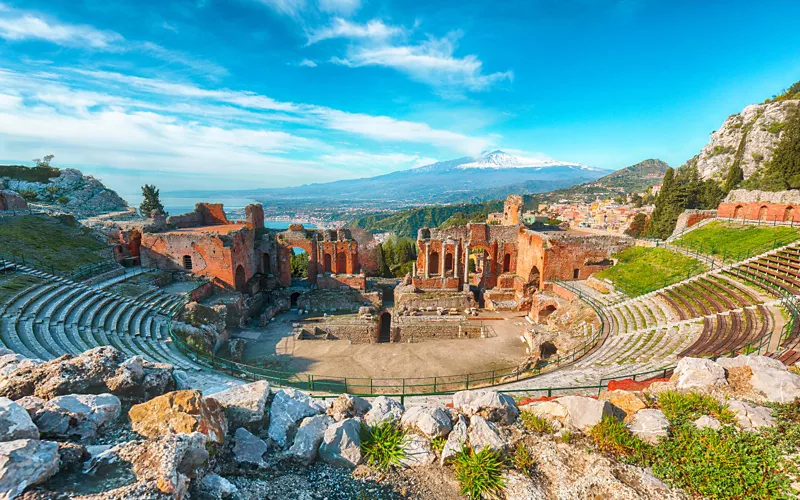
507 263
738 212
187 262
240 280
534 279
448 263
547 349
762 213
545 312
327 263
293 300
789 214
433 263
385 328
341 263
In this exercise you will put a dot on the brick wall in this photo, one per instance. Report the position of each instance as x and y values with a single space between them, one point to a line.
781 212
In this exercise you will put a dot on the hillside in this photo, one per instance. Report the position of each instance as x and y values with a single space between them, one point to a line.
749 138
634 178
67 188
462 180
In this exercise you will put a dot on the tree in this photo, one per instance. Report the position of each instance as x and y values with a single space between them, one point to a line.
44 162
383 269
637 226
151 202
782 172
735 177
298 264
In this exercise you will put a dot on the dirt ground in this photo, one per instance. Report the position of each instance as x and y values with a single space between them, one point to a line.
422 359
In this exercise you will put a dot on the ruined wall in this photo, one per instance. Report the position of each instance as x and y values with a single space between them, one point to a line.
691 217
204 214
336 300
512 210
530 258
433 300
357 330
570 256
254 215
337 282
428 328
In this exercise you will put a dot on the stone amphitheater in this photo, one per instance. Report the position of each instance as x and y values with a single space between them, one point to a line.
732 309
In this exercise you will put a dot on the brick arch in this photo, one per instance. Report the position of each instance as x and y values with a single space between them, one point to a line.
789 214
240 278
762 212
738 212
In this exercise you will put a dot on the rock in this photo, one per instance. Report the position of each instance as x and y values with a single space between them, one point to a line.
384 408
485 434
521 487
584 413
11 361
248 449
244 405
31 404
236 348
25 462
77 416
217 487
697 373
309 437
71 456
170 460
649 425
554 413
706 422
750 417
84 374
629 402
15 423
341 445
11 200
289 407
491 405
455 440
432 421
179 412
181 380
347 406
417 451
769 377
140 378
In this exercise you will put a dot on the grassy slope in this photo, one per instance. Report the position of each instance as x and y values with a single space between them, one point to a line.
734 241
49 241
641 270
13 283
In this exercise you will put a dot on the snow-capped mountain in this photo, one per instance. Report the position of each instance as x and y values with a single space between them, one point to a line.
494 174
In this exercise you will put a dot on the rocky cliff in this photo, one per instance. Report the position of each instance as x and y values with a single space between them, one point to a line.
747 137
70 189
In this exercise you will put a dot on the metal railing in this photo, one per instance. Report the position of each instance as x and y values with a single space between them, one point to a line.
368 386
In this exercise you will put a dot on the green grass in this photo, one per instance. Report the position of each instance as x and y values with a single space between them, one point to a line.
640 270
480 475
691 406
13 283
535 424
734 242
382 444
51 242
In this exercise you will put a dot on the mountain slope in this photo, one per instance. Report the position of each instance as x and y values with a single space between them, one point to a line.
460 180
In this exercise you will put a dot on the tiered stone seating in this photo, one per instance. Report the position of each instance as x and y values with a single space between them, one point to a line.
59 316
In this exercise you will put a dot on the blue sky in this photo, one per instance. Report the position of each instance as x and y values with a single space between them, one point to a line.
260 93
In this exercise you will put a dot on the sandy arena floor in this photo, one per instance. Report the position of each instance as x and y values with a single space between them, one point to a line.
421 359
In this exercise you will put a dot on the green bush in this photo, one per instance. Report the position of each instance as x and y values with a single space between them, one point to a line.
437 444
480 475
523 460
382 444
28 195
613 438
690 406
534 423
29 174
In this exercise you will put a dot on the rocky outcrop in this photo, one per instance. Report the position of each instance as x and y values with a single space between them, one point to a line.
573 412
180 412
76 416
82 193
15 423
698 374
768 377
245 405
11 200
749 137
25 462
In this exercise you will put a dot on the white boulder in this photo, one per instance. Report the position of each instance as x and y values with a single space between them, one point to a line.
384 408
15 423
698 373
341 445
244 405
25 462
289 408
491 405
417 451
485 434
309 437
432 421
649 425
750 417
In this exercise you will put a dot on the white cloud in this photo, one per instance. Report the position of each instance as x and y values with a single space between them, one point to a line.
29 27
374 30
365 159
432 61
169 27
308 63
342 7
177 57
286 7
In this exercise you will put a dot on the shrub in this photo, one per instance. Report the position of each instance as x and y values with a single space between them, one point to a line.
480 475
62 200
382 444
566 436
757 157
535 424
28 194
722 464
679 407
613 438
523 460
30 174
437 444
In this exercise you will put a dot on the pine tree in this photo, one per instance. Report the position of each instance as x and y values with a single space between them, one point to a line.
383 269
151 202
735 177
785 163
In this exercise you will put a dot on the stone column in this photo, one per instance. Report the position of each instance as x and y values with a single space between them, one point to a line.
427 260
455 260
466 263
441 259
